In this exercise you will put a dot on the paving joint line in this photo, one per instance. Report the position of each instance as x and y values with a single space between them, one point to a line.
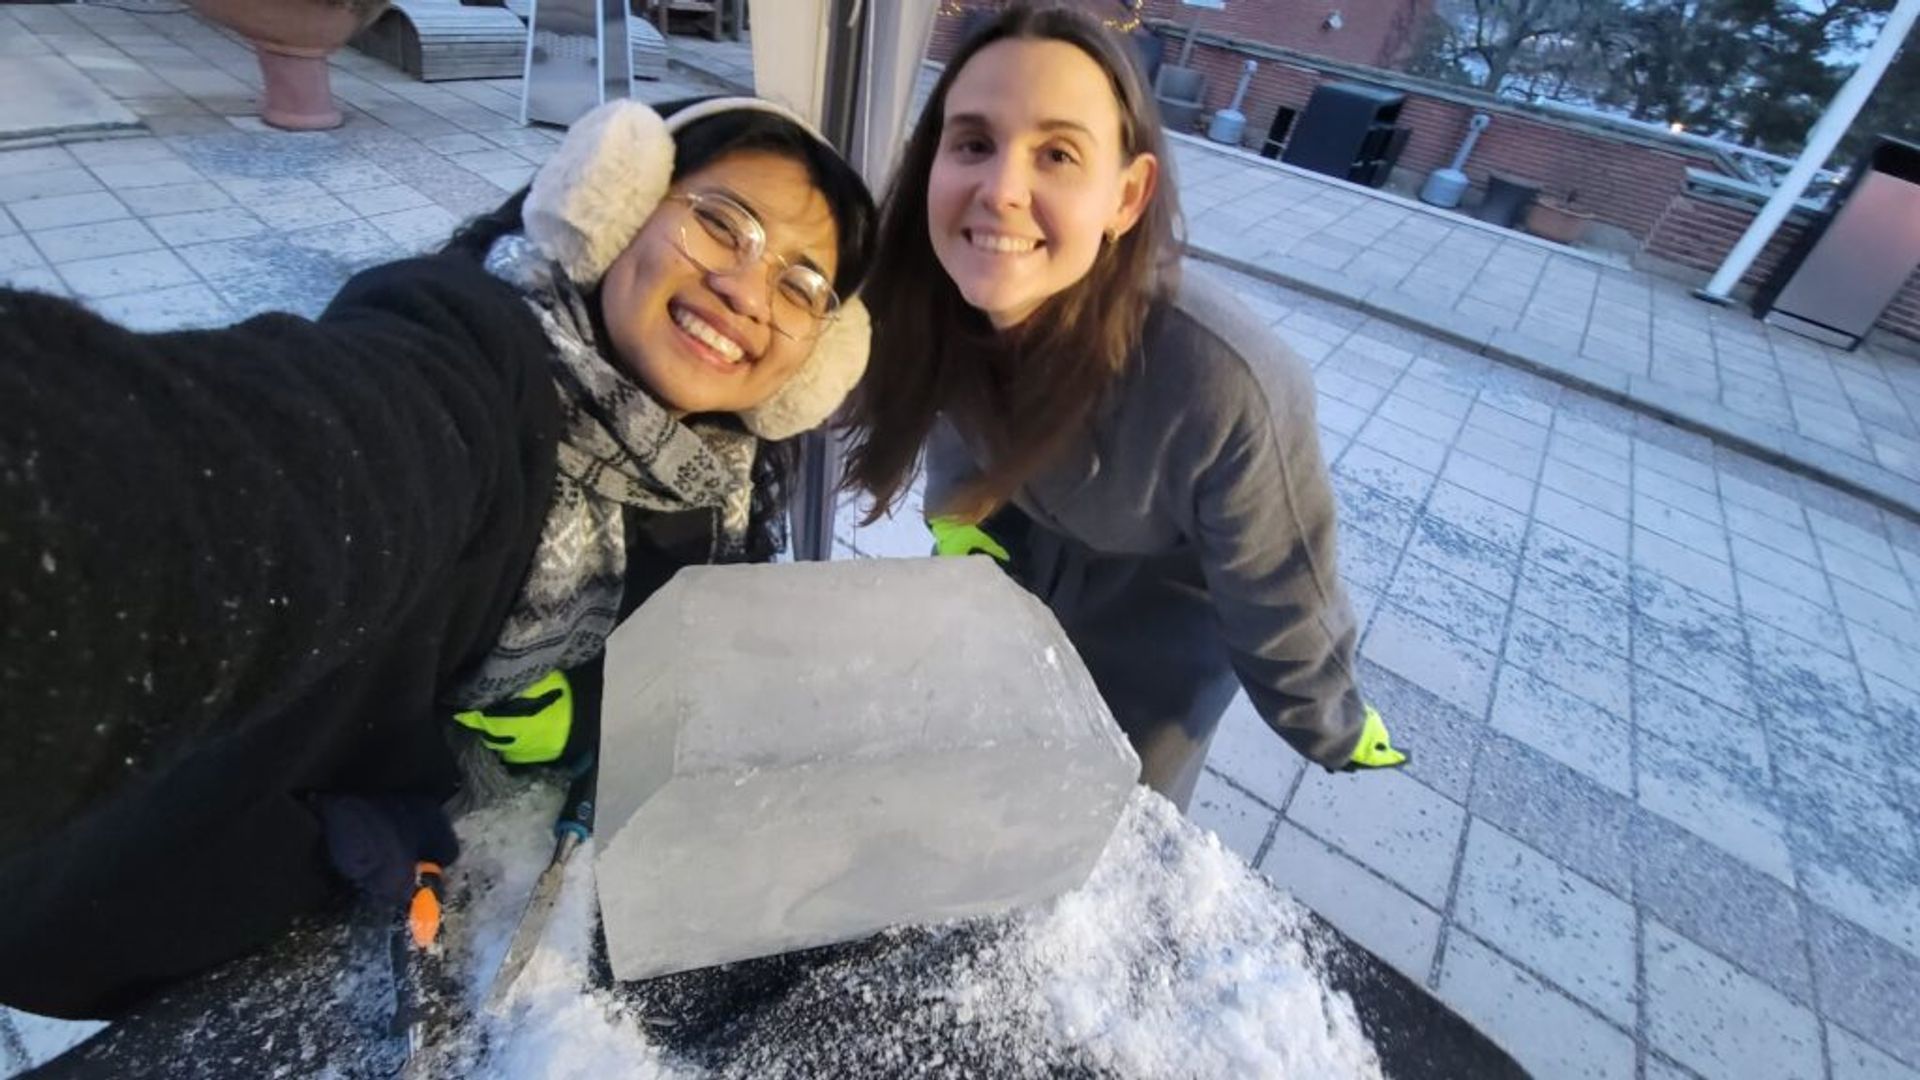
1866 489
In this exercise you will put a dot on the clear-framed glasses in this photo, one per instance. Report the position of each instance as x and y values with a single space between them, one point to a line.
723 237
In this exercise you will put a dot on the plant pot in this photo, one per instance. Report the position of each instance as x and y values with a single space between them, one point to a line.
1561 224
292 40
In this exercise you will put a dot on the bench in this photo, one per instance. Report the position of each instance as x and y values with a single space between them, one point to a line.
434 40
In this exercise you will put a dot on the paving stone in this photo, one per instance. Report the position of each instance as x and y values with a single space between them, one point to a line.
127 176
1883 656
1248 752
1682 563
1659 1068
1782 571
1415 411
1723 903
1466 610
1545 1031
1866 982
1442 739
1487 446
1385 474
1336 415
75 242
1403 444
174 198
1556 810
1689 468
355 244
35 159
1876 611
1384 919
1478 515
1853 1058
1565 728
1725 807
1587 460
1763 498
1405 831
306 213
1783 610
201 226
1674 654
1802 680
1466 556
58 211
1583 521
1551 920
1720 1021
1490 480
1236 818
1519 419
1569 662
1847 565
1589 566
1702 621
116 274
1866 540
177 308
1573 607
1369 510
1778 535
19 187
1343 387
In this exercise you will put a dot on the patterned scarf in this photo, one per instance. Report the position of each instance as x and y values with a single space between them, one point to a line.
618 447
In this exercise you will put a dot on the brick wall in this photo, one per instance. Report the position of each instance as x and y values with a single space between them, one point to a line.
1623 183
1378 33
1697 233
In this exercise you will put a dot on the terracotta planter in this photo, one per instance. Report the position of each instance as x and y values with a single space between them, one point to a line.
292 39
1561 224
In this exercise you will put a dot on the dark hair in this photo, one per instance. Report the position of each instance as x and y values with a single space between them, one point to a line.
1021 395
696 146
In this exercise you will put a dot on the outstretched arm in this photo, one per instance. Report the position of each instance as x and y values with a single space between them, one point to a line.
196 525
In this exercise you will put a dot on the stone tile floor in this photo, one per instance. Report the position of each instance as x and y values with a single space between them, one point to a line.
1659 823
1652 827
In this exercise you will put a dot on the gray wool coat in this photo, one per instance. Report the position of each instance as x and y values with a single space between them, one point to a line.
1189 542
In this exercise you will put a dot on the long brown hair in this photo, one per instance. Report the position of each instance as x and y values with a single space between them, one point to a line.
1024 394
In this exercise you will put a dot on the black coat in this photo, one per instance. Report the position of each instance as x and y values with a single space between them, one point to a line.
239 567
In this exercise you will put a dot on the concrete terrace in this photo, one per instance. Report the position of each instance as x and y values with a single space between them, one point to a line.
1640 578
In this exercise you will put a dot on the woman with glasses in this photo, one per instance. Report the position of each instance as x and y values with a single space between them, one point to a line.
248 574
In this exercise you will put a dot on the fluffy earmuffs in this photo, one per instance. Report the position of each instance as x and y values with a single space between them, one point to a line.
601 185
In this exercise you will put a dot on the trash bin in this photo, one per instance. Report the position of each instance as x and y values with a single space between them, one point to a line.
1348 131
1844 271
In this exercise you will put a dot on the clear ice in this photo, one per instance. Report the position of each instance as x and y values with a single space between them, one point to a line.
805 753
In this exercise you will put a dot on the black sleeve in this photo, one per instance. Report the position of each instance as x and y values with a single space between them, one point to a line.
197 525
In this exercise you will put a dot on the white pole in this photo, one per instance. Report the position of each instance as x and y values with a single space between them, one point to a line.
1820 143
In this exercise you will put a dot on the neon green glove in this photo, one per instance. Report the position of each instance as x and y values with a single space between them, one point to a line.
952 537
529 728
1375 750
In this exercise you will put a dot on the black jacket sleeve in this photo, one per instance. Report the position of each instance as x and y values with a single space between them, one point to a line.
195 526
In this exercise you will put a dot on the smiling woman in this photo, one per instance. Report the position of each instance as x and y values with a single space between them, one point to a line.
1138 449
253 573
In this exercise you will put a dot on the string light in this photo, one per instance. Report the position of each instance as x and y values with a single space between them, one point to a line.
1127 25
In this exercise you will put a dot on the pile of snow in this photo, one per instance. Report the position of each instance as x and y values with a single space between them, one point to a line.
1173 960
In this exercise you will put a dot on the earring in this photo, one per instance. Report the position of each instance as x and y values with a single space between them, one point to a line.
1113 237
